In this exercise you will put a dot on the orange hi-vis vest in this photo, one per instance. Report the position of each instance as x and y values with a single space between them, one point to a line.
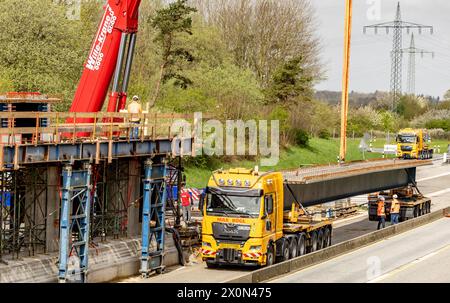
380 210
395 207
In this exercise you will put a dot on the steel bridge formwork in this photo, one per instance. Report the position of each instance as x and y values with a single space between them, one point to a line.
69 206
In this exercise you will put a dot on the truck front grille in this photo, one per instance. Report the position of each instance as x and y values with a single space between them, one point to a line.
407 148
229 255
231 232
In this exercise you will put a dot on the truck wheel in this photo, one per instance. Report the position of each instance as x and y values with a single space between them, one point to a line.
326 238
313 240
429 207
301 245
293 248
285 254
416 211
270 258
320 240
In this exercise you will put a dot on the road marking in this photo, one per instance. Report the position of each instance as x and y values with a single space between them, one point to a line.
409 265
433 177
339 222
438 193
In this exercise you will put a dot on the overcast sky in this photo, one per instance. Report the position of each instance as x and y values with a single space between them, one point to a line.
370 61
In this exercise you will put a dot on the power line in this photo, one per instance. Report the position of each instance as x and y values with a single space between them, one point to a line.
396 54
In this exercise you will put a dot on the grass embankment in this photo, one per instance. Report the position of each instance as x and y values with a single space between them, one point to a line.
320 151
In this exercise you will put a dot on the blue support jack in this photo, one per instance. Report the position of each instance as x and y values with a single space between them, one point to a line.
74 225
153 218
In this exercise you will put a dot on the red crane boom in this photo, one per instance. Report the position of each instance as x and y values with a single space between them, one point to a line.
106 58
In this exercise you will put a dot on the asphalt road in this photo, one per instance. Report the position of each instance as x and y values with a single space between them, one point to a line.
419 255
433 181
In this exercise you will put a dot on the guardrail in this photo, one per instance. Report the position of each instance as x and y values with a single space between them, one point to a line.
95 126
331 252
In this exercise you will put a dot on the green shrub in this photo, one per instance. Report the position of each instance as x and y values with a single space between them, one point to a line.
441 123
324 134
301 137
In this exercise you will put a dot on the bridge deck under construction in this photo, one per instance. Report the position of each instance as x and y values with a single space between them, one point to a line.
322 184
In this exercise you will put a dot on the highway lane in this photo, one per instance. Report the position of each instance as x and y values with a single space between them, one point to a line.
436 178
432 268
413 256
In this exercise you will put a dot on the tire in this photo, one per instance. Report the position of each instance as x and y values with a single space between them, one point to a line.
313 240
320 240
285 254
301 245
270 257
211 265
416 211
326 238
429 207
293 248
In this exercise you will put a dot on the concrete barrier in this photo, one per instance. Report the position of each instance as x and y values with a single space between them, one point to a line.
110 261
328 253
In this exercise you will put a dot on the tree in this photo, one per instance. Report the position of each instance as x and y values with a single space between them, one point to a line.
170 22
41 49
410 107
263 34
447 95
288 82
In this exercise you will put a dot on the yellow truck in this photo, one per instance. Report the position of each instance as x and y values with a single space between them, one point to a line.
414 144
249 220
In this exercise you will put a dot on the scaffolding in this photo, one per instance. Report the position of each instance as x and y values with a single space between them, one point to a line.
61 193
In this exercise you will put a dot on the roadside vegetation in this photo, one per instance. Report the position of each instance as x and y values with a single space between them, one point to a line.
231 59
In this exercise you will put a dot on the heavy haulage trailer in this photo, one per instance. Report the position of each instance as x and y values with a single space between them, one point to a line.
412 203
259 218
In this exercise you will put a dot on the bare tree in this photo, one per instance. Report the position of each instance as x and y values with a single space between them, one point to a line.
263 34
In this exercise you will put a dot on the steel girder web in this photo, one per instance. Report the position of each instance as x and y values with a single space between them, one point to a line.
153 217
74 225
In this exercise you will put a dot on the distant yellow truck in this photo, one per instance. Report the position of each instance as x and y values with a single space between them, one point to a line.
414 144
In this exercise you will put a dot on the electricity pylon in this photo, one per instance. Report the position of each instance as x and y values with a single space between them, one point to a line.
396 54
412 50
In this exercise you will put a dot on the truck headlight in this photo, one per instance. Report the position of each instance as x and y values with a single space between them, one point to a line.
206 244
255 248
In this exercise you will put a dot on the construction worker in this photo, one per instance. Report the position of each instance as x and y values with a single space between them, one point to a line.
135 108
186 202
395 210
201 202
381 212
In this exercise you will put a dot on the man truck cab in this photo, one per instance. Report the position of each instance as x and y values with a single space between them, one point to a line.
414 144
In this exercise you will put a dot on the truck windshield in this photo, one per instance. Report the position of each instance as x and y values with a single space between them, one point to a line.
406 139
233 205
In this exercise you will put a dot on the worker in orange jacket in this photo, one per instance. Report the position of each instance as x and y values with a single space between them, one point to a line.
395 210
381 213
